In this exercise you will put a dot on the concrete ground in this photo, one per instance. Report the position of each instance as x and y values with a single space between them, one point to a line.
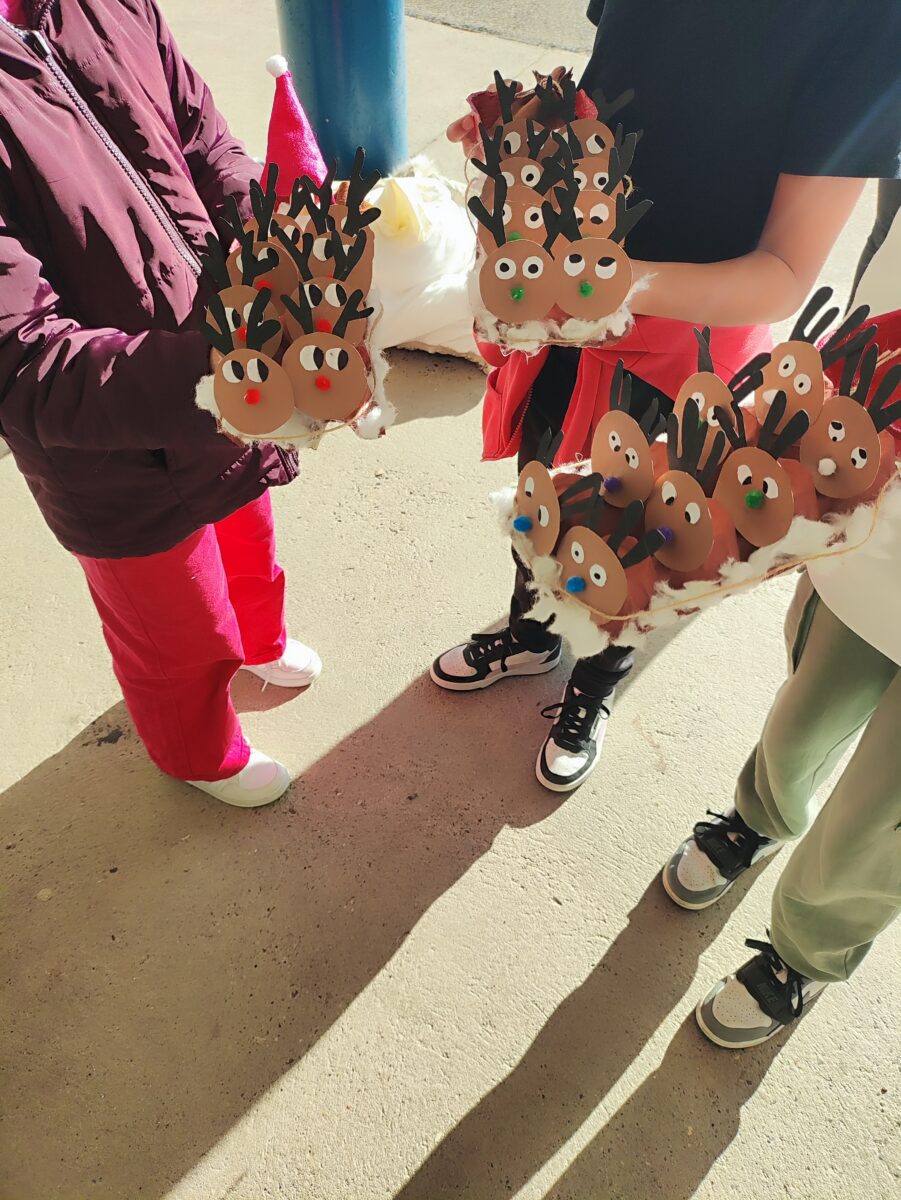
420 975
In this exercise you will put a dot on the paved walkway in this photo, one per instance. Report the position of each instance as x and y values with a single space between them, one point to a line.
419 976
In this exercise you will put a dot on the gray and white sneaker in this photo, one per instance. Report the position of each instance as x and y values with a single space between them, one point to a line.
762 997
488 657
708 863
572 749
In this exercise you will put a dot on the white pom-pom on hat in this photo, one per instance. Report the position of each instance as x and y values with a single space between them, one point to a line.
277 65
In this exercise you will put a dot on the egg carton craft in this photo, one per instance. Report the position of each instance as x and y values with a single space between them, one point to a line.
297 363
668 518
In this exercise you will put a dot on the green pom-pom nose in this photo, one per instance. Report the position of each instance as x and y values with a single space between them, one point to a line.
518 293
586 288
514 237
755 498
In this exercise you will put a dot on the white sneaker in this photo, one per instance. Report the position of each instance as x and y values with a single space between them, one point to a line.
261 782
298 667
488 657
572 749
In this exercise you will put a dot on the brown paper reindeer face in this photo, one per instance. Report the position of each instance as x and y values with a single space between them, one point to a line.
753 488
842 450
591 137
523 219
592 570
252 392
620 449
677 506
796 366
516 280
596 213
539 510
326 370
708 392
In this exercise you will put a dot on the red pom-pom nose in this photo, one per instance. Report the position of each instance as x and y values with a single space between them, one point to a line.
323 383
252 396
323 326
262 283
241 334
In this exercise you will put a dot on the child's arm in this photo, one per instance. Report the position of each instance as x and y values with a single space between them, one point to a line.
220 165
769 284
63 385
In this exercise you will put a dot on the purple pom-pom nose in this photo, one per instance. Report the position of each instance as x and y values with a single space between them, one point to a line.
575 584
667 534
522 524
613 484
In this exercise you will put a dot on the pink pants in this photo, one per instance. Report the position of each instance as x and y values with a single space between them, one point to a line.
180 624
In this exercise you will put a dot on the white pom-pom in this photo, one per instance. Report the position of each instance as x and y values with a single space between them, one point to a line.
826 466
370 425
277 65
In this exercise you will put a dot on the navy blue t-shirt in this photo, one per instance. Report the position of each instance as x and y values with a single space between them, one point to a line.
732 93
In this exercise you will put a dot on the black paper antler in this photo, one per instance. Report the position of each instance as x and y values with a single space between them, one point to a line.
263 203
627 218
346 256
694 436
651 421
215 263
632 519
221 335
506 94
351 312
561 221
491 148
300 310
299 254
259 331
881 412
493 221
556 98
837 346
358 188
536 139
318 198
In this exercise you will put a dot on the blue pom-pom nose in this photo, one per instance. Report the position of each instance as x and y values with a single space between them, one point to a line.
612 483
522 524
575 584
667 534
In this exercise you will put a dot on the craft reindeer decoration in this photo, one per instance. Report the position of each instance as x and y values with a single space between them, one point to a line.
355 221
593 571
275 268
238 299
844 448
540 511
252 392
754 487
327 294
351 217
526 190
796 366
516 280
678 506
595 207
593 275
326 370
621 446
591 137
708 392
514 132
592 173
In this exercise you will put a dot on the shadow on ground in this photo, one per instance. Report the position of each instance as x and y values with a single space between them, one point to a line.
420 390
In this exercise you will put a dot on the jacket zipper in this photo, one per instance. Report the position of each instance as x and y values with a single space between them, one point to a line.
38 44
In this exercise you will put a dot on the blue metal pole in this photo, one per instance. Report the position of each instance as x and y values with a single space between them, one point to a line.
347 59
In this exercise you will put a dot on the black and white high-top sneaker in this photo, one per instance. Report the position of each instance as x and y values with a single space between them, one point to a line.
708 863
573 746
488 657
753 1005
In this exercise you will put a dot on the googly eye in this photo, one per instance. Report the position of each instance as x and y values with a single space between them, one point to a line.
577 552
595 144
744 474
581 179
600 180
234 318
533 217
508 214
836 431
668 493
615 441
512 143
336 295
248 309
269 259
320 248
294 235
599 214
606 268
508 178
544 516
232 371
579 215
337 358
529 487
505 268
574 264
632 459
802 384
313 294
530 174
533 267
312 358
257 371
692 513
859 458
700 399
787 366
597 575
770 488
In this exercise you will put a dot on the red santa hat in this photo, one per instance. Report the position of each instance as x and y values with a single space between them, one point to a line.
292 145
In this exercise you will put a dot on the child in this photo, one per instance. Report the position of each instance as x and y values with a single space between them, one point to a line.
761 122
114 166
842 885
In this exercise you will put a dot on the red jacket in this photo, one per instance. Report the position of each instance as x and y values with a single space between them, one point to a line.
662 352
114 165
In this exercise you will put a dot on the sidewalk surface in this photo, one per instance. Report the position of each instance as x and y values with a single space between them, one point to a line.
419 976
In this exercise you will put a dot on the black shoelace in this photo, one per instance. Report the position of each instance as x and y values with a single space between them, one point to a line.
574 718
789 991
730 836
486 648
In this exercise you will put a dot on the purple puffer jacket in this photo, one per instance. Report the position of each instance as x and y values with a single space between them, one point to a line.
114 165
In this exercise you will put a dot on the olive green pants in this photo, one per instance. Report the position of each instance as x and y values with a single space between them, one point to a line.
842 884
